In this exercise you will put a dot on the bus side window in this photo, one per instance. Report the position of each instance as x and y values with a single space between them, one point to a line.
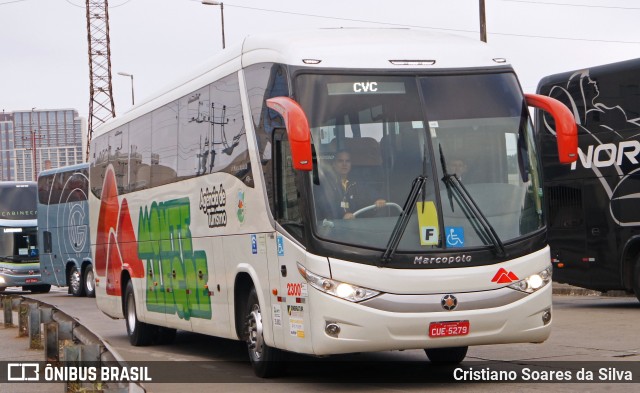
263 81
287 204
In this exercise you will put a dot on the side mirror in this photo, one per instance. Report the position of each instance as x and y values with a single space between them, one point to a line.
566 129
297 130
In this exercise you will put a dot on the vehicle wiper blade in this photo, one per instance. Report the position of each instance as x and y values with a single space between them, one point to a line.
453 181
9 258
446 174
403 220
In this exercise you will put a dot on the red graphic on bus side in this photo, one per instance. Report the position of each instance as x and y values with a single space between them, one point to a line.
116 246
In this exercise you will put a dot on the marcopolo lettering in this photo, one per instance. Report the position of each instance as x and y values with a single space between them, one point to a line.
608 154
425 260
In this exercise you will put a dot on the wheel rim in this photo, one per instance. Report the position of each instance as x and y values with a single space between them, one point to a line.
74 279
255 339
131 313
89 283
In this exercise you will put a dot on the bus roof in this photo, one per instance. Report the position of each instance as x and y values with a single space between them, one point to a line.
13 183
67 168
605 69
367 48
357 48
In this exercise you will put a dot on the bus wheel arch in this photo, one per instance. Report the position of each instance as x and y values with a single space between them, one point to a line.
630 262
267 362
140 333
241 289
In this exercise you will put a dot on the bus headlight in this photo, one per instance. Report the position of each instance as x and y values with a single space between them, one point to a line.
533 282
335 288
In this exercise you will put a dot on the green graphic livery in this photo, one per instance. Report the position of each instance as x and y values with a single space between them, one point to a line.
176 274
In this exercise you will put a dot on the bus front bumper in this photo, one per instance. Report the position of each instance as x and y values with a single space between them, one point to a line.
366 329
19 280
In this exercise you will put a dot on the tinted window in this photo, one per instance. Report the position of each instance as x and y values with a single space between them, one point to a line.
140 153
164 138
266 80
63 187
18 202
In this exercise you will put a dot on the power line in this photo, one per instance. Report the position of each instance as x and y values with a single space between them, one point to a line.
572 5
84 5
437 28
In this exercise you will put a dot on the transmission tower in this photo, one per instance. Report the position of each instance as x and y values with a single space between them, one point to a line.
101 106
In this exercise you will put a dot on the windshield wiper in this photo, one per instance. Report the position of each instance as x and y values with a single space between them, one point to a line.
403 220
453 181
9 258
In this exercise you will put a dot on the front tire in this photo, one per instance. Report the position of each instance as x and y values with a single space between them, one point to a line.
89 281
75 282
140 333
267 362
446 356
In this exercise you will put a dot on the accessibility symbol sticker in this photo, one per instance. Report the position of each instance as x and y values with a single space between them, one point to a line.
455 236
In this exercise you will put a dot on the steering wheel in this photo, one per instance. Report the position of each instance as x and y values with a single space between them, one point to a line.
372 207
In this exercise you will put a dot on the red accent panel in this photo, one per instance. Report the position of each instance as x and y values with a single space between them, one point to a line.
116 246
297 130
127 242
107 220
566 129
114 267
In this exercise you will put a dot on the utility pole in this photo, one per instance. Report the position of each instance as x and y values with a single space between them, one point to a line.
483 23
34 152
101 106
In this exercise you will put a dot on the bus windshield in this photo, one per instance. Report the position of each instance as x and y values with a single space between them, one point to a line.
373 135
18 231
17 202
18 244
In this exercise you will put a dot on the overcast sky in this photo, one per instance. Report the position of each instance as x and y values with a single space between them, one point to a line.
44 60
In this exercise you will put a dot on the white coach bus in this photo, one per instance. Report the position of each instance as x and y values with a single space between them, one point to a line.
328 192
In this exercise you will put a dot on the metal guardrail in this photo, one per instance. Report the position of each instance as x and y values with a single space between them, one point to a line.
63 339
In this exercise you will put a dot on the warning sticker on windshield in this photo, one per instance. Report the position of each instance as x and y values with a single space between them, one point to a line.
428 223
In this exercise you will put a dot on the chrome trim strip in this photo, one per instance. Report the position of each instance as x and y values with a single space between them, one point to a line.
431 303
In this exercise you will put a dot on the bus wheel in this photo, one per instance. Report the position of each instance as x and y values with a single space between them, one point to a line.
453 355
267 362
140 333
89 281
75 284
636 279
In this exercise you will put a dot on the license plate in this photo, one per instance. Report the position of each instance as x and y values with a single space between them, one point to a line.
449 328
31 280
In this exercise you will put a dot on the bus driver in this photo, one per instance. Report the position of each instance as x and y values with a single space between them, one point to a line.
345 195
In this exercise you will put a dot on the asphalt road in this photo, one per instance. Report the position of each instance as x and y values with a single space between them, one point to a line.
586 329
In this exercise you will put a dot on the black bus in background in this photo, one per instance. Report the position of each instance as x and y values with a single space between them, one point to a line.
593 205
